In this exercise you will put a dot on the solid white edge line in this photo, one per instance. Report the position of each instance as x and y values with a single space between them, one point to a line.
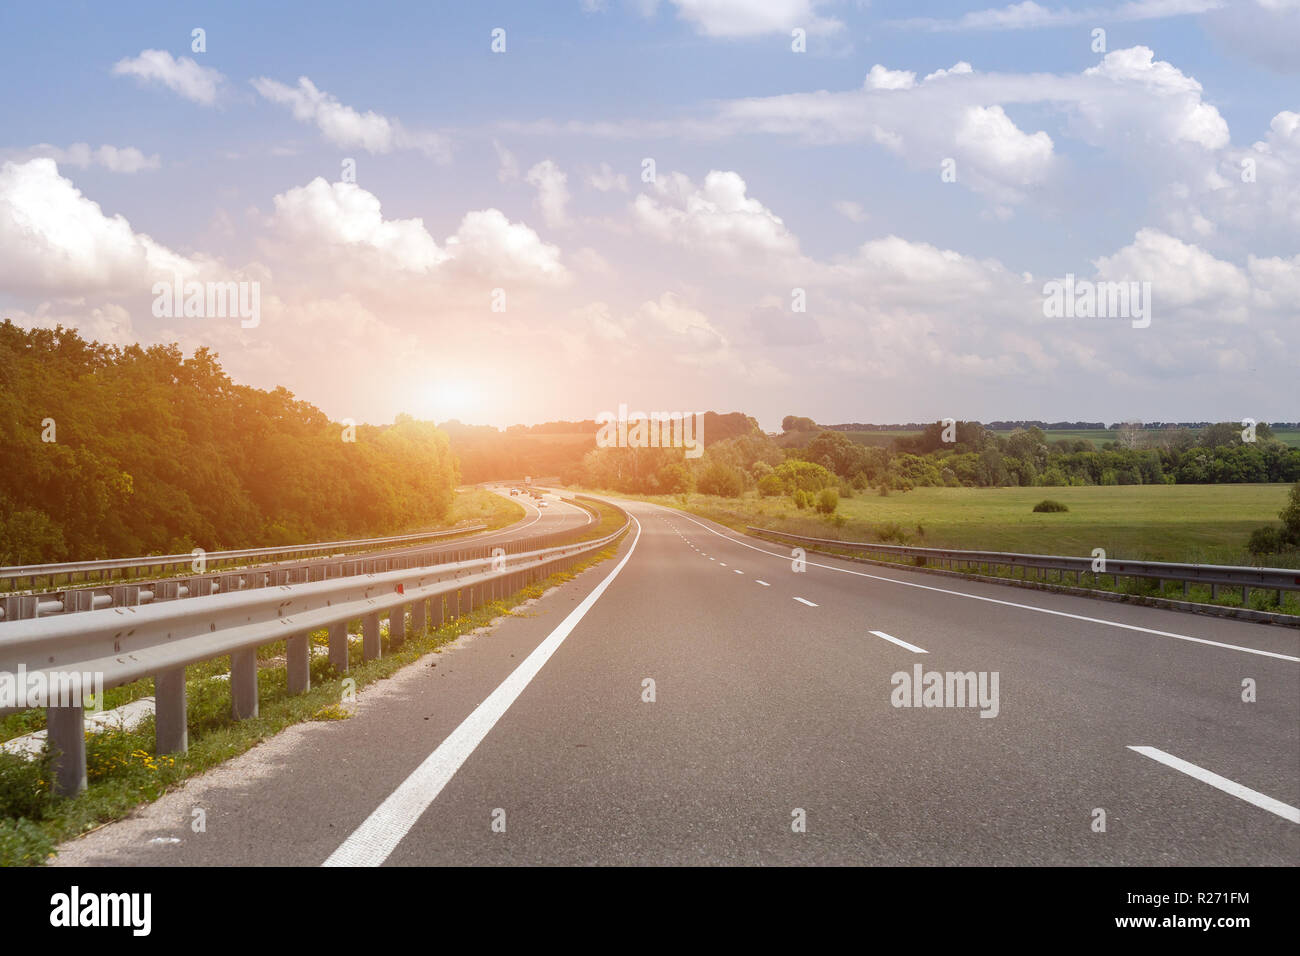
1261 800
380 833
805 601
887 637
1025 607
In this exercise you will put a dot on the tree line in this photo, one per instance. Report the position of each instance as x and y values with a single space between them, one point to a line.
113 452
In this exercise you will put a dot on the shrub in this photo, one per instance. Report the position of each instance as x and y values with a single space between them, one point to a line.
828 499
24 791
1264 541
22 843
722 480
800 498
1048 504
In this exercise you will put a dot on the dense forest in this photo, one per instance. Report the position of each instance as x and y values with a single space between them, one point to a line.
108 452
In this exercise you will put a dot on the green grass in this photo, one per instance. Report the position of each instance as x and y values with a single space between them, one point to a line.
123 772
1208 524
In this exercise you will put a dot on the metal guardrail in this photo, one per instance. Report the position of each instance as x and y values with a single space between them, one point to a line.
123 644
1215 575
144 591
162 562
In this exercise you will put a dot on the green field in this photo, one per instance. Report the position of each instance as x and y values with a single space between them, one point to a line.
1193 523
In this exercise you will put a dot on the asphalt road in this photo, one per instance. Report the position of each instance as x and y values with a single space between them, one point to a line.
775 695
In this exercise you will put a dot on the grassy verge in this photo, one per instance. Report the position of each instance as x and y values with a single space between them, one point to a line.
1205 524
124 772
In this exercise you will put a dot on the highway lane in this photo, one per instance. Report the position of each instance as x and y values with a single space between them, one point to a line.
766 706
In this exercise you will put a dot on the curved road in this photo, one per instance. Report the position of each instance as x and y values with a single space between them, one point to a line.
1117 734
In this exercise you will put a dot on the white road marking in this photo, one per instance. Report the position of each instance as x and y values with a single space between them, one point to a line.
1023 607
803 601
374 841
738 571
723 563
1263 801
764 583
911 647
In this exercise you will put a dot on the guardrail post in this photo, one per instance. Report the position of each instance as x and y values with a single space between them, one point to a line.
397 626
171 731
20 607
419 614
298 652
339 647
243 683
126 595
371 646
66 733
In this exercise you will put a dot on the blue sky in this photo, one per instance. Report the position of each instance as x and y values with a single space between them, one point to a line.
776 171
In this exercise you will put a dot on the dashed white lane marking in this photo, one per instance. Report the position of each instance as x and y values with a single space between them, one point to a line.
803 601
738 571
380 833
1263 801
893 640
723 563
764 583
1023 607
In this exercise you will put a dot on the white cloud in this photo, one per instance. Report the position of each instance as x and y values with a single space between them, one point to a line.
881 78
957 69
181 75
344 126
851 210
1183 116
747 18
988 135
116 159
507 165
606 179
552 192
716 218
55 240
1032 16
496 247
345 215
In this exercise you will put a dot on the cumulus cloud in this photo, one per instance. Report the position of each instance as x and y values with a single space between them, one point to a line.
881 78
716 217
345 215
496 247
55 240
181 75
345 126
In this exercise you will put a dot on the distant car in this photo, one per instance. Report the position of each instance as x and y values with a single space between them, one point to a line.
541 504
514 491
